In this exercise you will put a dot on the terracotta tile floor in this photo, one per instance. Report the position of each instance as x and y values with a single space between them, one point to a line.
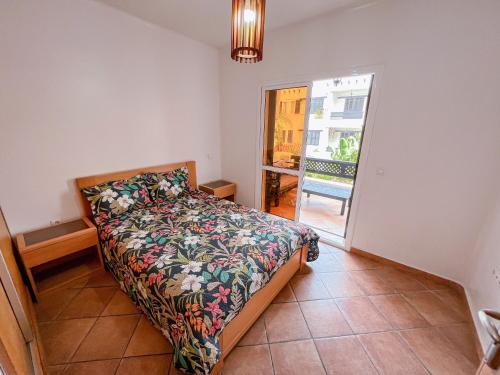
347 315
318 212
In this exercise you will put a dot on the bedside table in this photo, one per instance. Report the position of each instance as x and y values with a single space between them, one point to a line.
220 188
44 245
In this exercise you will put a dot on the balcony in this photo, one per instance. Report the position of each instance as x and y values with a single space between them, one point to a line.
346 115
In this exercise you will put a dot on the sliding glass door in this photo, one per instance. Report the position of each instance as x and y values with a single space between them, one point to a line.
336 127
311 139
282 149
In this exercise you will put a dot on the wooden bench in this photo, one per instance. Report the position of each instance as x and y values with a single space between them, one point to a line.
333 168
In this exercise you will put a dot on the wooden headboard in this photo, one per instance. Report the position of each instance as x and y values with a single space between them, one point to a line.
83 182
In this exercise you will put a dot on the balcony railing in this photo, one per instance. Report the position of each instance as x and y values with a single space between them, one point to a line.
346 115
336 168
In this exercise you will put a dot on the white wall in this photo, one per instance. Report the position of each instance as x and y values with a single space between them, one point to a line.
439 155
483 285
86 89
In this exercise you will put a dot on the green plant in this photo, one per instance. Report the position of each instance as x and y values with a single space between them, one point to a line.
348 149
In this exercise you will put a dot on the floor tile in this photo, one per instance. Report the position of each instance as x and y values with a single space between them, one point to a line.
305 358
371 282
61 338
456 301
401 281
255 335
107 367
56 369
462 336
80 282
108 338
150 365
398 311
50 304
309 287
340 284
353 262
448 348
101 278
324 318
285 295
248 360
434 310
344 356
362 315
284 321
390 354
147 340
326 263
120 304
432 284
437 353
89 302
325 248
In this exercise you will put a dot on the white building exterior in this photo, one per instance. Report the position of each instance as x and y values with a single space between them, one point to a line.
338 108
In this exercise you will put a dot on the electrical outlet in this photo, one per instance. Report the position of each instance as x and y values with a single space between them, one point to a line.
55 222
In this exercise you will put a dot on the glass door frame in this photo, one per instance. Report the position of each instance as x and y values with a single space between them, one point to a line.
260 145
377 70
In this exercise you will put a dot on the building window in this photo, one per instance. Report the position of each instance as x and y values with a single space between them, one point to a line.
313 137
297 106
282 107
331 136
290 136
354 104
353 108
317 104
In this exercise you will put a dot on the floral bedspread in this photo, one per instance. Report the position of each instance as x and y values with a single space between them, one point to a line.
191 265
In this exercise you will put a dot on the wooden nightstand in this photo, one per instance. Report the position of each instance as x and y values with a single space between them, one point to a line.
48 244
220 188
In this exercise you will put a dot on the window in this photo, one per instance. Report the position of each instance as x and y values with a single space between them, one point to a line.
290 136
331 135
282 107
297 106
353 108
317 104
313 137
354 104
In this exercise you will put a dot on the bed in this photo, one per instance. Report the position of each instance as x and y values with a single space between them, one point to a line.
202 269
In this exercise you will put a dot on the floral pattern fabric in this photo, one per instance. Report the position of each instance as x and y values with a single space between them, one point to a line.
165 186
117 197
192 263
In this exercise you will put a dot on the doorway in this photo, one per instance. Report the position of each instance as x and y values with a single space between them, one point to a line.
311 140
281 169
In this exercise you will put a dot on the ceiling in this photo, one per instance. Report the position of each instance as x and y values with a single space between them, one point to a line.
209 20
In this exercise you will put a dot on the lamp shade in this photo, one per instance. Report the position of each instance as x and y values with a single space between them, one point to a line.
247 35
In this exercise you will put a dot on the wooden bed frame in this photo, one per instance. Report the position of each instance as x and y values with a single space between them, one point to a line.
237 328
